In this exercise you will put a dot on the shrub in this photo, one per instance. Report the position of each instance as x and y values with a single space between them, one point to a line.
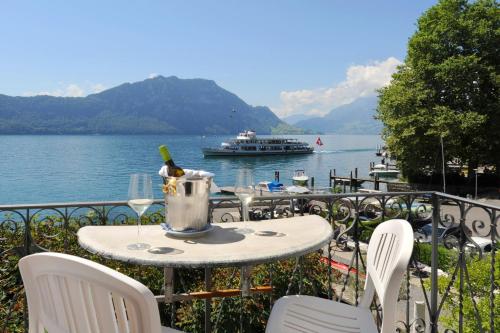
475 288
446 258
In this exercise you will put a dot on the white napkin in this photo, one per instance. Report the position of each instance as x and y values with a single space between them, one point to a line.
163 171
197 173
188 173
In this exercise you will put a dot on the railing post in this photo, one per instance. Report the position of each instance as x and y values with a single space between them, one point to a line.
350 183
492 271
27 250
329 270
434 263
104 219
355 179
27 233
66 230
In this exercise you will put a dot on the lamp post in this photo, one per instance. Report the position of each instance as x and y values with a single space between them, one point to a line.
475 191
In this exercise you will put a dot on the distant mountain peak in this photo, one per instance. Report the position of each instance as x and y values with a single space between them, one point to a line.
162 78
158 105
354 118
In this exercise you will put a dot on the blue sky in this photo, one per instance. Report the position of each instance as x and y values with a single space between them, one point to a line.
294 56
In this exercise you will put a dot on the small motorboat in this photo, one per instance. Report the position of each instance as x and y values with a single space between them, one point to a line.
383 170
300 178
273 186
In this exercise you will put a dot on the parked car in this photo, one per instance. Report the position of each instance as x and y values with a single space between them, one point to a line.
424 235
484 244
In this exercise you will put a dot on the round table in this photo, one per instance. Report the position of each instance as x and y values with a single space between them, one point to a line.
222 246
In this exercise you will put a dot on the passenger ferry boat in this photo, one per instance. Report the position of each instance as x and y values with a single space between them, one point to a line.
247 144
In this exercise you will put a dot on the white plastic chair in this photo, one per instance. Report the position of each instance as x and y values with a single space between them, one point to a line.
388 254
71 294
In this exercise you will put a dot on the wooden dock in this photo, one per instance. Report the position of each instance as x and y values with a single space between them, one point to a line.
354 182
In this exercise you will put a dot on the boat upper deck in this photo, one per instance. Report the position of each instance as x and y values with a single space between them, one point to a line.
268 141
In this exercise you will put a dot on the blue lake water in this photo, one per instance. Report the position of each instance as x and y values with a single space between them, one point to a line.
49 169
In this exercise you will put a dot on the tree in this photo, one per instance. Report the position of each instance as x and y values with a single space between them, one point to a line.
447 87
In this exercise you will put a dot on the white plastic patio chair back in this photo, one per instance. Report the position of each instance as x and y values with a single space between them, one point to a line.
389 252
71 294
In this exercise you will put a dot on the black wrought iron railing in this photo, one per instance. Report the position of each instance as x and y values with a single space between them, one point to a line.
452 283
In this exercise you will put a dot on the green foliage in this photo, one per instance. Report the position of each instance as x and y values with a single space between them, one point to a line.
256 309
479 284
447 259
447 87
337 189
284 128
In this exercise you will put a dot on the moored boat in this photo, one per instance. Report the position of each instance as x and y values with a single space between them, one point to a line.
383 170
300 178
247 144
274 186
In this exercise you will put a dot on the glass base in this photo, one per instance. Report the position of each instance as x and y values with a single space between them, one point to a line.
244 231
138 246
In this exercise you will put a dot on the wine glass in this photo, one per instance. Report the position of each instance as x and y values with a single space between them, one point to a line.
140 197
244 189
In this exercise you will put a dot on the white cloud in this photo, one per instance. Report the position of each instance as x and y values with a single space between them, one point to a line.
152 75
70 90
361 81
97 88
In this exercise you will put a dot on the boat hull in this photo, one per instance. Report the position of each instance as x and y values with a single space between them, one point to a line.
218 152
300 180
385 174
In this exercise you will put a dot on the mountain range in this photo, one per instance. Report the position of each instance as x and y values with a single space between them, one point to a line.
357 117
169 105
160 105
295 118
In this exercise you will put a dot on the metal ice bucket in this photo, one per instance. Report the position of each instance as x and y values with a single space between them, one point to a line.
186 203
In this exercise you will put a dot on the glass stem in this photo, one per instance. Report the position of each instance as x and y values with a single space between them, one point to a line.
138 228
244 211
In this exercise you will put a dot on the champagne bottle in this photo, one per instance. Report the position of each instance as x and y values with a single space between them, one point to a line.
173 170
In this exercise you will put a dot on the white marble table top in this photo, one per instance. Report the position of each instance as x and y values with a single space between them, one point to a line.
222 246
